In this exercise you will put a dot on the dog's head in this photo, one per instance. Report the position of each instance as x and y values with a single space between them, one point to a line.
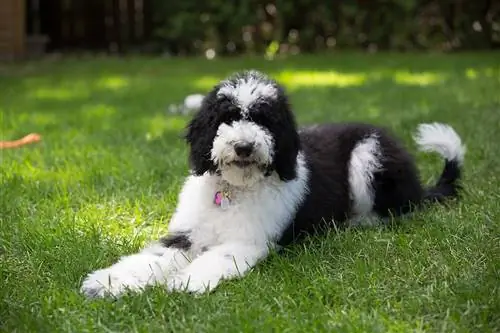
244 131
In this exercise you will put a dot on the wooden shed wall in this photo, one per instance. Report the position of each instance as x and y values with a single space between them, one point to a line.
12 29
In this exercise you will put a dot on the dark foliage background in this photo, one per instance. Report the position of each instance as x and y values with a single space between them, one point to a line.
283 26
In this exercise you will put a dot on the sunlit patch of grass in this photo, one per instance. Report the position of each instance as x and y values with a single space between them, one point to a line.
419 79
471 73
118 219
206 82
298 79
113 82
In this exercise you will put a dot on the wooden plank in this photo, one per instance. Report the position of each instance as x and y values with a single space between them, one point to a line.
12 32
19 28
5 35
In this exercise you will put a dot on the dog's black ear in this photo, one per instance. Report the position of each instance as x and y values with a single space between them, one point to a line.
287 143
200 134
285 162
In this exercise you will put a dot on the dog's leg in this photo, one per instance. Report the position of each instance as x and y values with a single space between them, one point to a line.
150 266
224 261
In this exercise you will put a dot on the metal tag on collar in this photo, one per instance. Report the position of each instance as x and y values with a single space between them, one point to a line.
224 204
222 199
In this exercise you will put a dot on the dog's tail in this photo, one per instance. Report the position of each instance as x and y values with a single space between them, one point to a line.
442 139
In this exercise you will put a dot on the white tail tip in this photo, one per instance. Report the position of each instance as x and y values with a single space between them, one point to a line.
442 139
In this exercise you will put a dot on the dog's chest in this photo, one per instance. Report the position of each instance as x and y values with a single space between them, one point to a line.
249 215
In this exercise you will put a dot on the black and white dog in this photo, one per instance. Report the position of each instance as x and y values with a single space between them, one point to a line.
258 182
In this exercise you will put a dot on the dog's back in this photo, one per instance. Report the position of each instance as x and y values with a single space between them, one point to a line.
360 170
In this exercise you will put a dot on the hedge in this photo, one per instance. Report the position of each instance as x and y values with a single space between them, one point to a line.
282 26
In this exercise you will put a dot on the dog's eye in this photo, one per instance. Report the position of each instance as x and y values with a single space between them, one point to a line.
262 118
227 106
233 109
229 117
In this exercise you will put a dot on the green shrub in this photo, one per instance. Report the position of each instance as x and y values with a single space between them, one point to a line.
248 26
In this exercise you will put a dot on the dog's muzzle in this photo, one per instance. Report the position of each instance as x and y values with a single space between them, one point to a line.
244 151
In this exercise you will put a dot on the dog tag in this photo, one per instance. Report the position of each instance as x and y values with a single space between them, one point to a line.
224 203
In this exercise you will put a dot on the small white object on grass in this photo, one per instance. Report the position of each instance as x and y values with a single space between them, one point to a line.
192 103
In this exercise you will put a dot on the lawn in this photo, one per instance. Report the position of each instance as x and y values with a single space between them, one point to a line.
105 179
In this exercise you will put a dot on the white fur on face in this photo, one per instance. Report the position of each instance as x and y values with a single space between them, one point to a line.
365 161
248 90
223 153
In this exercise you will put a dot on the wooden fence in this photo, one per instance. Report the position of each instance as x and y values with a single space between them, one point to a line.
107 25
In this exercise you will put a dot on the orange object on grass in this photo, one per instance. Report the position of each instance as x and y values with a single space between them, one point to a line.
30 138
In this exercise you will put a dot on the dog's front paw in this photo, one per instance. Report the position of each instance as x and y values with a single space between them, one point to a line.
192 284
106 282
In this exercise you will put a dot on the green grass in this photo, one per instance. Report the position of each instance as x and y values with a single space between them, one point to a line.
106 176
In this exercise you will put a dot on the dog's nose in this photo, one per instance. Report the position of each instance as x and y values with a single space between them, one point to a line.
243 149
